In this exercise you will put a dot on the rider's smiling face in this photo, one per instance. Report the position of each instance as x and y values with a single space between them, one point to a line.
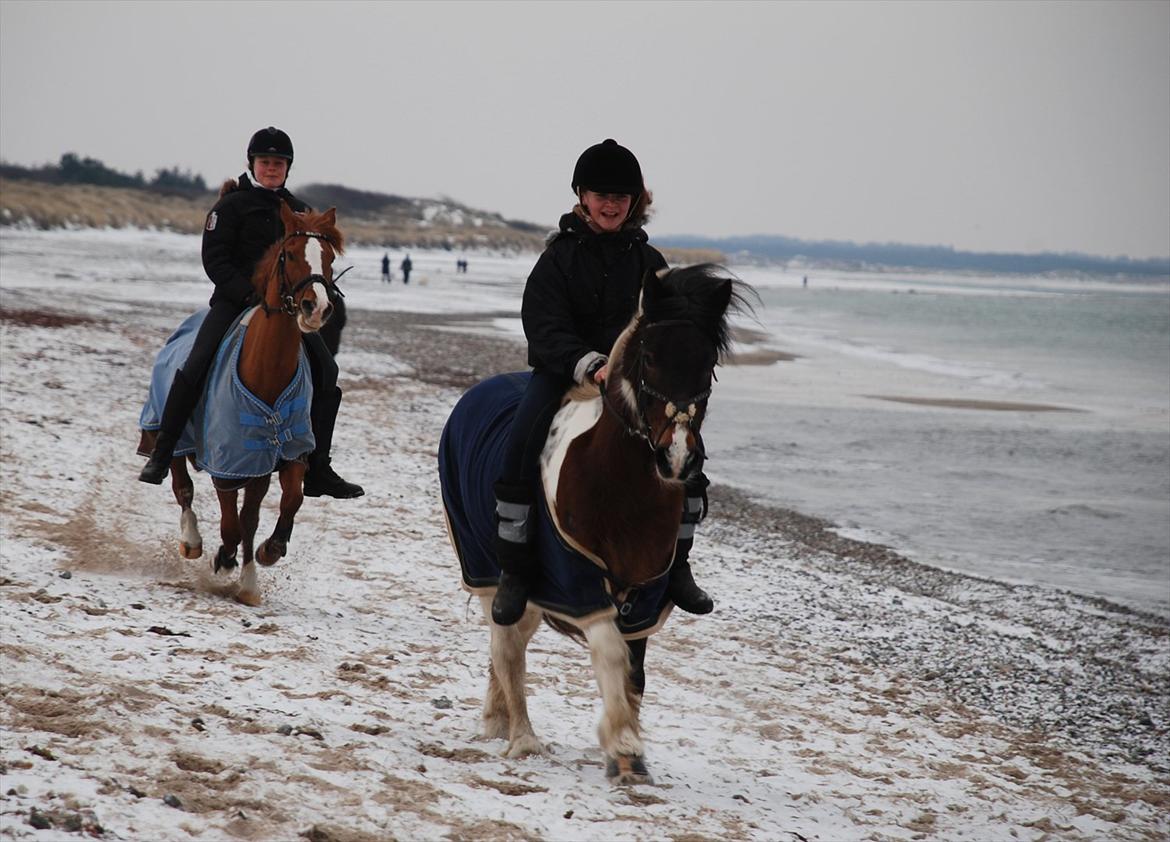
270 170
607 210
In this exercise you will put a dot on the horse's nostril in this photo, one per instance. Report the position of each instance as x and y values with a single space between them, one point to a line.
692 466
307 307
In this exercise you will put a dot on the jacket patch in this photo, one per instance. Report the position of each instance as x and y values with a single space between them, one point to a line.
212 219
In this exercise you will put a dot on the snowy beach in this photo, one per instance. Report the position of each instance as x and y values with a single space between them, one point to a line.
841 691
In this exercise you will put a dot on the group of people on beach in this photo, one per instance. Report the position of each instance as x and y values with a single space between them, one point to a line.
406 265
579 296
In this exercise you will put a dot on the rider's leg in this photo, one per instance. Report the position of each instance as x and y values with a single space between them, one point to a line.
681 587
321 479
186 388
516 493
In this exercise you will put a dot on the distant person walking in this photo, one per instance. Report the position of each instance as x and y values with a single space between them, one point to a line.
386 268
805 282
406 266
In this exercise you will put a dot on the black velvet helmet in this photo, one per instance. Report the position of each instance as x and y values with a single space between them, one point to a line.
270 141
608 167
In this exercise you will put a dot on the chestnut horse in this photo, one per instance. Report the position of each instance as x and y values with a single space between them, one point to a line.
294 281
613 471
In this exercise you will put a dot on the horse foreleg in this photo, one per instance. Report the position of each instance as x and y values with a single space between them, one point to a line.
190 541
254 491
637 686
618 731
505 710
292 480
229 530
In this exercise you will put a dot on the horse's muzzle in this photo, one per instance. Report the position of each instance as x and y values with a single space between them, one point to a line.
310 320
691 466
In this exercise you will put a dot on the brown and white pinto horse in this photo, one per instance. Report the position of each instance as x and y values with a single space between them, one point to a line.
614 470
293 281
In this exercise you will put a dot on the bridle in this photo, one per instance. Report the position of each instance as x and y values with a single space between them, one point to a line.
288 292
677 411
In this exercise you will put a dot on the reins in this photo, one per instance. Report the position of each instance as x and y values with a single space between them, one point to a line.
288 293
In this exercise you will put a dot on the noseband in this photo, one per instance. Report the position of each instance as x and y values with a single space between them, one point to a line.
288 292
677 411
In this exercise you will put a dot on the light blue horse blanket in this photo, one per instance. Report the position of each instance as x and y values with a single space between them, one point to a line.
232 433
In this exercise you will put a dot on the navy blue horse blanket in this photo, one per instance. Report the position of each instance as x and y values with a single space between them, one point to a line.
569 585
232 433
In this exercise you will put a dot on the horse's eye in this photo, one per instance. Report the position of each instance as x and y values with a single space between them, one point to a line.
648 358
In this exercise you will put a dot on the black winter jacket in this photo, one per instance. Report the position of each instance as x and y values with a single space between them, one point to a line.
239 229
582 292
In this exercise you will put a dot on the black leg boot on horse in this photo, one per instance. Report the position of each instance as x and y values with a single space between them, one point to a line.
181 401
321 479
513 552
681 587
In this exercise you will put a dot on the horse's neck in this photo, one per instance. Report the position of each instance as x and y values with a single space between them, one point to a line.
610 500
270 354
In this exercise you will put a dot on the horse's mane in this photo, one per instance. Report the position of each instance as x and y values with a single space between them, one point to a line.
705 294
308 222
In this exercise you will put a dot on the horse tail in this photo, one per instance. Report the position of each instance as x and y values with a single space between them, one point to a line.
567 629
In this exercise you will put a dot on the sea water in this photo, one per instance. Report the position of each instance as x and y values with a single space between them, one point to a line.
1050 465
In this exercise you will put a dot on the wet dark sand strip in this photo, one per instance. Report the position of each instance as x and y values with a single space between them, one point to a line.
967 403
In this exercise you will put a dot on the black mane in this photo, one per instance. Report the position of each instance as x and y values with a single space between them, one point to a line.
704 294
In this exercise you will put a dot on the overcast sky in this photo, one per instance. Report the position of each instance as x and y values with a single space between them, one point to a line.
986 126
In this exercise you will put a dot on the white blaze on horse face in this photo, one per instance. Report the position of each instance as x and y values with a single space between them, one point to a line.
313 256
678 451
571 420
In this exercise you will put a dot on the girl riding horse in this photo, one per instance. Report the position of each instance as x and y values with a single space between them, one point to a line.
579 297
242 226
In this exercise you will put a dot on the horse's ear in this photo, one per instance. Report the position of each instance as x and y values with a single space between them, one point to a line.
288 217
330 217
652 288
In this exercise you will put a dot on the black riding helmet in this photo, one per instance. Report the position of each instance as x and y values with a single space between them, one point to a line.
608 167
270 141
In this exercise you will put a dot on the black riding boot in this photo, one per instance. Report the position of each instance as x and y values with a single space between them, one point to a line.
321 479
513 552
181 400
681 587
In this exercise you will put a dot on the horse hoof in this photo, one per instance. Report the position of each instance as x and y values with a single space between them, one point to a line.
268 554
249 598
524 746
223 561
627 770
190 550
495 727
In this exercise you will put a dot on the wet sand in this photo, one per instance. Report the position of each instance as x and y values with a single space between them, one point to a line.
968 403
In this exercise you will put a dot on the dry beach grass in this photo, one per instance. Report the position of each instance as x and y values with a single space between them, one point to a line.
839 692
48 206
